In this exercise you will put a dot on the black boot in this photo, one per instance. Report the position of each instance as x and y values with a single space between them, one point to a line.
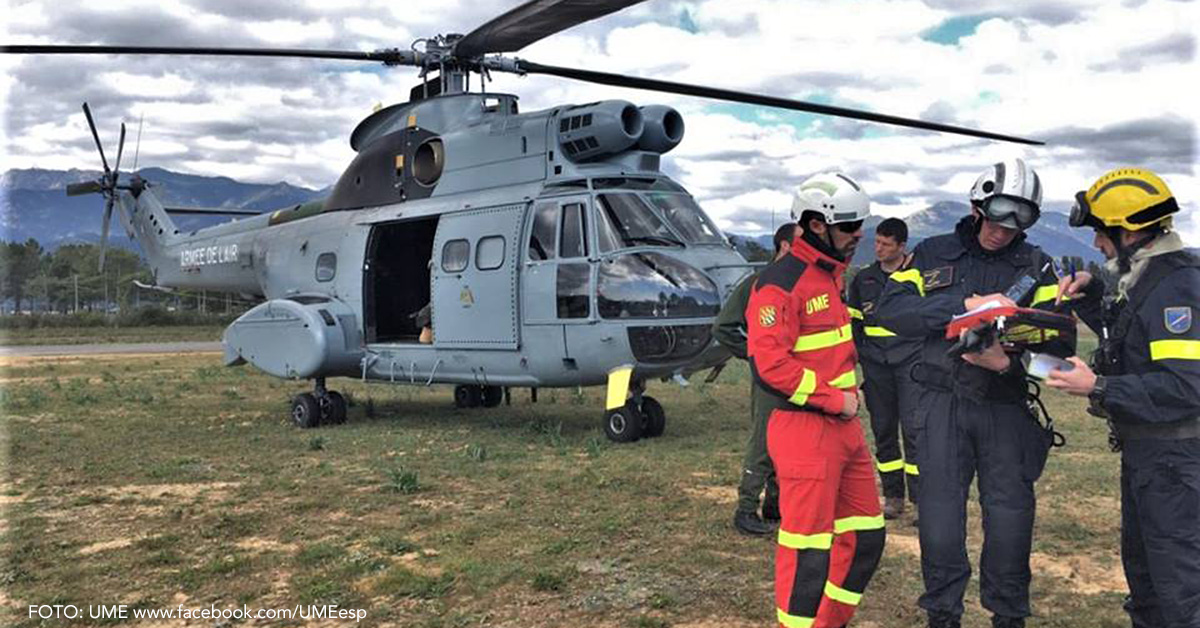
1000 621
748 523
943 620
770 509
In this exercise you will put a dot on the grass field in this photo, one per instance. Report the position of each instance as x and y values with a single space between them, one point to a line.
156 481
88 335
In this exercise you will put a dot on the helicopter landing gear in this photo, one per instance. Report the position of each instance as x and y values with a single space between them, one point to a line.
654 417
473 396
467 396
623 424
320 406
642 416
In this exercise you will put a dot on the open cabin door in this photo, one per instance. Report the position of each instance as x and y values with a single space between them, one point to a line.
475 278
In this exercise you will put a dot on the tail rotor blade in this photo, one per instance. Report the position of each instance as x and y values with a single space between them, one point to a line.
104 231
120 150
87 111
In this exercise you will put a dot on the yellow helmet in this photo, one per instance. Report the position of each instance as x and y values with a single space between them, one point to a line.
1130 198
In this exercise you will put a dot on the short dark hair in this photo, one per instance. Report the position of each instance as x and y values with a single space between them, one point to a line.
893 228
785 233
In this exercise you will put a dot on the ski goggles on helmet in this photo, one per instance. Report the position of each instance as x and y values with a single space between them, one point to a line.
1081 213
849 227
1008 211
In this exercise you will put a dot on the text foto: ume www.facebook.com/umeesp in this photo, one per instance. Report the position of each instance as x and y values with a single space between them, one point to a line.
124 611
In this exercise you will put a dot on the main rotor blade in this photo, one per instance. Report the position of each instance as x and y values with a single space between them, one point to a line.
104 230
120 150
391 56
532 21
84 187
87 111
621 80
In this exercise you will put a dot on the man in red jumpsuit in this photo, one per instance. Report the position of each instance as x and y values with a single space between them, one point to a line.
801 349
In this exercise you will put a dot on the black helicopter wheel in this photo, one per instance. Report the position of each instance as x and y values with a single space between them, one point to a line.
491 396
333 409
467 396
306 411
624 424
655 418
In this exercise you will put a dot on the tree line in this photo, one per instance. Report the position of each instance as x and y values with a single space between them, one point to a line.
68 280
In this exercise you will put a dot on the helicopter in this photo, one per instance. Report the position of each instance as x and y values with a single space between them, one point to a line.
544 248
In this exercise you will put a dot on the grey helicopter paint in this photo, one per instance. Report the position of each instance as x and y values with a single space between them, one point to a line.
549 247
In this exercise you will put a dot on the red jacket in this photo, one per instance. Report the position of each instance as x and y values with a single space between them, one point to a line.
800 344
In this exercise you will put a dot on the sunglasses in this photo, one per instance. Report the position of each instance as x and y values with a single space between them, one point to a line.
849 227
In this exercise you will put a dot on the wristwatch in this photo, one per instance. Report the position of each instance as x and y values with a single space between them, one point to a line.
1096 397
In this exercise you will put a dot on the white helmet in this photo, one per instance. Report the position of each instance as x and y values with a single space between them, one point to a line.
835 196
1009 193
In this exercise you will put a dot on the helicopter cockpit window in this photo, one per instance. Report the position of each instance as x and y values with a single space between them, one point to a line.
686 217
455 255
573 242
326 266
489 253
541 240
625 220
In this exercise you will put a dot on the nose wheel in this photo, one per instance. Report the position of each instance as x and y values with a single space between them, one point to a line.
644 418
472 396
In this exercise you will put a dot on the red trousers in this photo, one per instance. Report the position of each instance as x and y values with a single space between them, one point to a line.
832 534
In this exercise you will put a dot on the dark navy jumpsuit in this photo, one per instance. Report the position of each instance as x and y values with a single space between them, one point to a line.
887 359
975 421
1152 395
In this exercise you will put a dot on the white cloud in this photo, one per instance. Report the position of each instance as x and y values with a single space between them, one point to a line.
1095 75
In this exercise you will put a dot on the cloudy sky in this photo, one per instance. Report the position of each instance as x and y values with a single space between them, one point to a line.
1104 83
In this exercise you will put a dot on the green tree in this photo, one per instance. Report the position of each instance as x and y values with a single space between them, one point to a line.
19 264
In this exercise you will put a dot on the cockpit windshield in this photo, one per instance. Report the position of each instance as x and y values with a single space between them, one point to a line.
686 217
625 220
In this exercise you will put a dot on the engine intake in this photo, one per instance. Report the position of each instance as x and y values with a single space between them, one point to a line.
598 129
664 129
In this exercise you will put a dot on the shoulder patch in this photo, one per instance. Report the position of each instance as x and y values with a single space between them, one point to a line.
767 316
1178 320
940 277
784 273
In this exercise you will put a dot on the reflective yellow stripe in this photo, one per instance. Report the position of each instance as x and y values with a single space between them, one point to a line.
850 524
1044 294
849 379
834 592
808 384
793 621
911 275
855 312
911 469
1175 350
823 339
822 541
878 331
890 465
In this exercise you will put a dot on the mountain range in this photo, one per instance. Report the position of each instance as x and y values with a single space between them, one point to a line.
33 204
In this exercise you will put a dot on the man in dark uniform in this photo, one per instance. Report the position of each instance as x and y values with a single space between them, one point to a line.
887 361
730 330
973 408
1147 383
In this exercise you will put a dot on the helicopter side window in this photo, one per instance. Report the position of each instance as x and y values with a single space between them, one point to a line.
626 220
455 255
489 253
573 242
326 266
572 290
541 240
686 217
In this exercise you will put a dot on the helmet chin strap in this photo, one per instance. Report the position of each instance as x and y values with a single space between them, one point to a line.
1125 253
823 243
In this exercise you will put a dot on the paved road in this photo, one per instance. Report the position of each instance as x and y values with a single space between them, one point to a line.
108 348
